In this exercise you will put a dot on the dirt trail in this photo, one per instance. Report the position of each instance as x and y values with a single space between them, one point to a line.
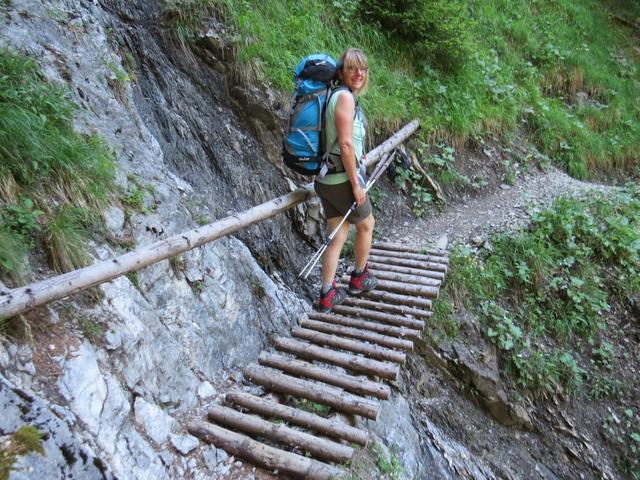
474 218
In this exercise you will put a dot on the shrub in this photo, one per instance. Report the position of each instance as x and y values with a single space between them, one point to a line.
437 30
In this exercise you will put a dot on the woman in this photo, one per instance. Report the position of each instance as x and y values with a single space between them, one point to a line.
343 184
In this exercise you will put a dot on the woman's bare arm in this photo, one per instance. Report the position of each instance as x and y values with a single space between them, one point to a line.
345 111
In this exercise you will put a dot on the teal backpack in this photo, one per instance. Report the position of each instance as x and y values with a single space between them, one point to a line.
303 148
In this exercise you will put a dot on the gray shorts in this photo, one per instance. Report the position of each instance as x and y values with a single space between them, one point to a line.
337 199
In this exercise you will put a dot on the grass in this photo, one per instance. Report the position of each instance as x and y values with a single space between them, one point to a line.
51 177
562 72
25 440
543 293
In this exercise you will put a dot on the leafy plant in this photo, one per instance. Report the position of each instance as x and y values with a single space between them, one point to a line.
538 290
411 181
623 429
387 462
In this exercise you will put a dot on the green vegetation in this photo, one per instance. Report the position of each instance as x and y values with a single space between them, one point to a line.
23 441
542 293
623 430
313 407
561 72
387 462
134 197
92 330
52 179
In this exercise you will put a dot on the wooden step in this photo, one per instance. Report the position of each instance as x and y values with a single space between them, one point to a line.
384 340
397 298
401 287
349 361
404 262
404 278
444 259
263 455
370 309
334 397
361 386
299 417
320 448
418 272
382 328
398 247
334 341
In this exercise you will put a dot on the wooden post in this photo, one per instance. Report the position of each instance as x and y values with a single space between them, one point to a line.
299 417
333 397
19 300
355 363
318 447
352 384
264 455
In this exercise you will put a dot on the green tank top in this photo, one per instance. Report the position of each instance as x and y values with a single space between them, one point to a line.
331 133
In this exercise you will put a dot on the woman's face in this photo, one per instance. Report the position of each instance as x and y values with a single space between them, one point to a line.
354 77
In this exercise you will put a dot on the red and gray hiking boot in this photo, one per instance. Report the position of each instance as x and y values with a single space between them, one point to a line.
362 282
334 296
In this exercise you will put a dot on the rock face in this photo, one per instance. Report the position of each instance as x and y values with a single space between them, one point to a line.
66 455
177 332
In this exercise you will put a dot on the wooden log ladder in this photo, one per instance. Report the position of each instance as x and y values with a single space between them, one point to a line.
337 360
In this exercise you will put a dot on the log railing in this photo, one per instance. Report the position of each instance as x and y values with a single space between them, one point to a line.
19 300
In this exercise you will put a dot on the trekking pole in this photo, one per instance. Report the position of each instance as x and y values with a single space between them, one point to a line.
380 168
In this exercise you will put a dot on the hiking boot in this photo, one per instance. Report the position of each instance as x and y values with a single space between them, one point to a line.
362 282
334 296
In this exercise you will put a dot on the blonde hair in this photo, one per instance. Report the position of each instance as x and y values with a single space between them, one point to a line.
354 57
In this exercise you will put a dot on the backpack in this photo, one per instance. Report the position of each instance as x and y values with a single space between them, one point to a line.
303 148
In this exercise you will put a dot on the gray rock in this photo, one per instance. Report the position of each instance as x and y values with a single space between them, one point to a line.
206 390
213 456
157 424
167 458
66 452
114 220
184 443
